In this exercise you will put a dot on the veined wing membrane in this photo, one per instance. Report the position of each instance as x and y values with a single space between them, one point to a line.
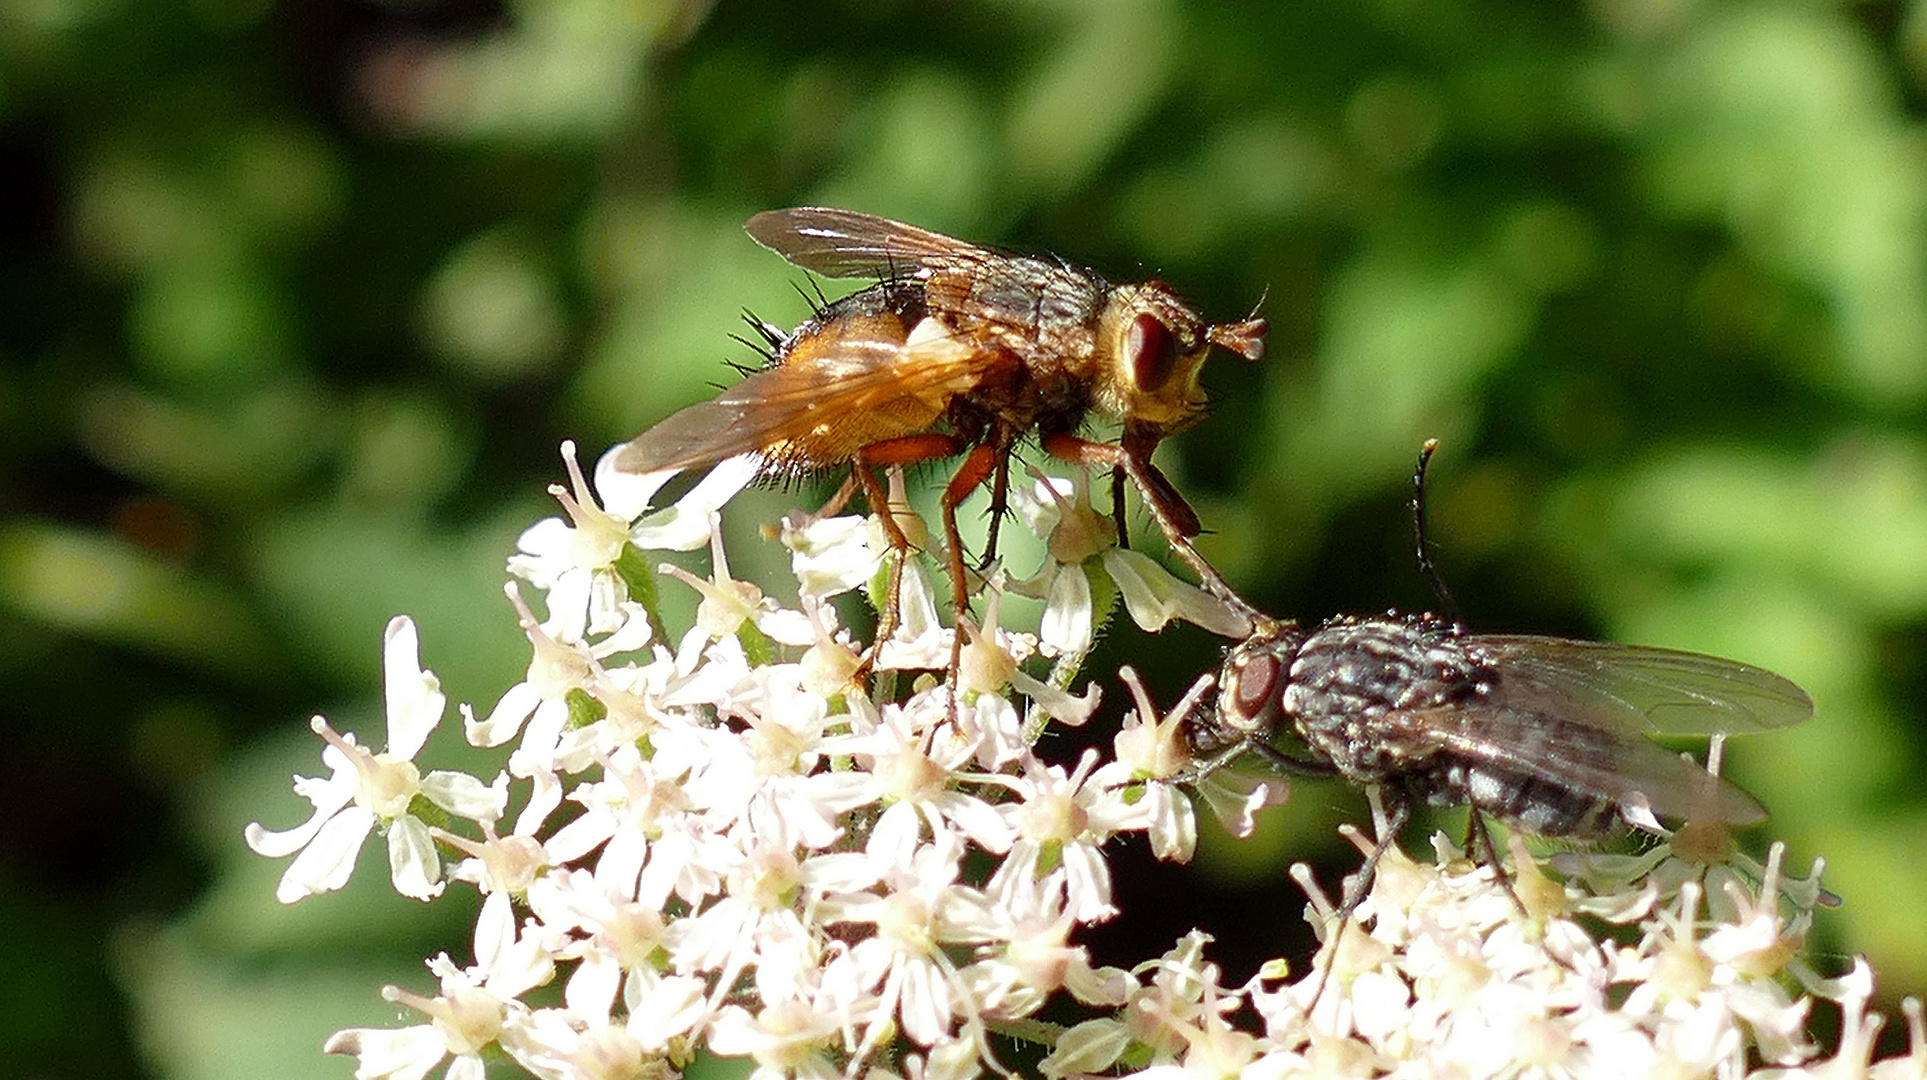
1662 691
860 377
844 243
1609 763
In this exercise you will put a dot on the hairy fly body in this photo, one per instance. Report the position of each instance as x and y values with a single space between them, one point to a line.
958 350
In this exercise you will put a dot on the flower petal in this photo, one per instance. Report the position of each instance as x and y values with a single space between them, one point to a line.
414 698
626 494
329 859
1069 623
413 864
467 796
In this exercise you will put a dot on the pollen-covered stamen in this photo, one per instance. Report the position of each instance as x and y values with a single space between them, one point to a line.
1054 816
828 667
1681 970
726 603
633 933
467 1018
611 1053
555 668
509 864
910 775
985 666
599 535
384 784
767 879
904 919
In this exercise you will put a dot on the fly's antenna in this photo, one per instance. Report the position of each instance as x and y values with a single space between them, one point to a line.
1426 569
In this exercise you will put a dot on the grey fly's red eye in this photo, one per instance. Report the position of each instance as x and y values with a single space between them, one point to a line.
1152 350
1255 686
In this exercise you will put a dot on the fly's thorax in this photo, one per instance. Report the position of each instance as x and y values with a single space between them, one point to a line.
1043 312
1365 693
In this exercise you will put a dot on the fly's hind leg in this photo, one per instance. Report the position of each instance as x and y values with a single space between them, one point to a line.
908 450
999 504
865 477
983 460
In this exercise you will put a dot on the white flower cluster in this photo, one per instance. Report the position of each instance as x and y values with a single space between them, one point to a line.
1445 969
724 845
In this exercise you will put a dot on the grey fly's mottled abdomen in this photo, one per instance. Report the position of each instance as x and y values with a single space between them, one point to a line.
1531 801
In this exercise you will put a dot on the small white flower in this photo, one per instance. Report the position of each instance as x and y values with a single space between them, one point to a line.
561 675
465 1018
904 961
920 642
574 562
831 555
790 1038
366 789
915 772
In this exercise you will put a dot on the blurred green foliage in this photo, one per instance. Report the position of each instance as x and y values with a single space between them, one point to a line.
299 300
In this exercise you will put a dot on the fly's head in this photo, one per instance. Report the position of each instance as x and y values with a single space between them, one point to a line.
1151 346
1251 688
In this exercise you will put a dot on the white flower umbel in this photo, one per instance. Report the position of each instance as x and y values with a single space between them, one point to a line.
721 844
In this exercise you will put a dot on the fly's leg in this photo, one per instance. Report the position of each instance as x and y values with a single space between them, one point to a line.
887 614
999 496
908 450
1174 516
983 460
1477 830
839 500
1388 827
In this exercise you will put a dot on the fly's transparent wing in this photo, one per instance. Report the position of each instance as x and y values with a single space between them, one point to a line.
866 382
1662 691
1526 733
845 243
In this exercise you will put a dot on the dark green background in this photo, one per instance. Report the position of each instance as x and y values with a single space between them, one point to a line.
297 301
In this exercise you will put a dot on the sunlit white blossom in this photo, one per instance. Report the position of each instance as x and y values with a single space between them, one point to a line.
366 789
574 561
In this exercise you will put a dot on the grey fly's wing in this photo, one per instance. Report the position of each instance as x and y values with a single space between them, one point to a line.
1549 741
1662 691
1578 713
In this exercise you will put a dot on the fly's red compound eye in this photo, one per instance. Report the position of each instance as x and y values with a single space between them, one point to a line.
1152 351
1251 691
